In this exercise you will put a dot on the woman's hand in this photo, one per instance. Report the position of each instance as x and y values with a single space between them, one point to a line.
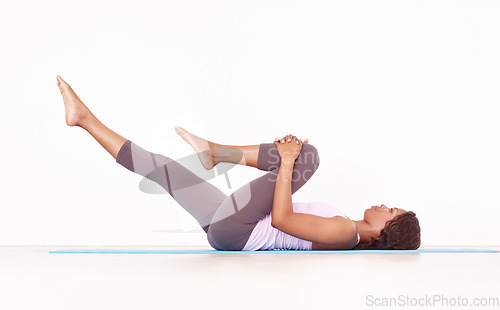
288 138
290 149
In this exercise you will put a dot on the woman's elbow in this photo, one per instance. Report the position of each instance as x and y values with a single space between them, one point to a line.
276 222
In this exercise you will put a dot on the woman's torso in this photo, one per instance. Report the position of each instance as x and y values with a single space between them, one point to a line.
266 237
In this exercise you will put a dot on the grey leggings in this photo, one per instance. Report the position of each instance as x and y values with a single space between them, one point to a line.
227 220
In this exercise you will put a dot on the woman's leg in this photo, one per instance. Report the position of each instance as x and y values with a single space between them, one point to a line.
237 216
211 153
198 197
77 114
235 219
234 216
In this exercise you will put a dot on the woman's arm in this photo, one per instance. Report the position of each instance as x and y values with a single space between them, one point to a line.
336 230
282 203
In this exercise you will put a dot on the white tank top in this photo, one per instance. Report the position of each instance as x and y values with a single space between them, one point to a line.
266 237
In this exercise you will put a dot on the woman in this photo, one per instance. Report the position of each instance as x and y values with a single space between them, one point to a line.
243 220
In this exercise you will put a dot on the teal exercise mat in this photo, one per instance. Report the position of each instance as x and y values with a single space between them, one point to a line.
138 251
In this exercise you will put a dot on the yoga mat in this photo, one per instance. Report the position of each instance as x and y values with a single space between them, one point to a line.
138 251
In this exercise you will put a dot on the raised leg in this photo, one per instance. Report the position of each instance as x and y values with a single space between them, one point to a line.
77 114
227 220
198 197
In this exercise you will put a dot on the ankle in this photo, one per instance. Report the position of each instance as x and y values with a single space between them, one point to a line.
227 154
213 146
88 120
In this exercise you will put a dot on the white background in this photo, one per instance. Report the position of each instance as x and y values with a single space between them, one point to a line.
399 97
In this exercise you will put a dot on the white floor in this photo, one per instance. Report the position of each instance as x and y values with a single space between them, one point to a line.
32 278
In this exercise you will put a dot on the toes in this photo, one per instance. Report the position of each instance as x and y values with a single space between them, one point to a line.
62 84
179 130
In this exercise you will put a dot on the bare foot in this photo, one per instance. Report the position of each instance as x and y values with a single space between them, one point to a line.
202 147
76 111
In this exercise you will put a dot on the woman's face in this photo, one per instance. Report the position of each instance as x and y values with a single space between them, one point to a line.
379 215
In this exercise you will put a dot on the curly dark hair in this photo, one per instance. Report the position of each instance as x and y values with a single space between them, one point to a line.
400 233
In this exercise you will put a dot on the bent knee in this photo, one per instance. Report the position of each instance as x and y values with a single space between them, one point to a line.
309 155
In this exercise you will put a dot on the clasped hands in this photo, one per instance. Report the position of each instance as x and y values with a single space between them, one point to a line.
289 147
